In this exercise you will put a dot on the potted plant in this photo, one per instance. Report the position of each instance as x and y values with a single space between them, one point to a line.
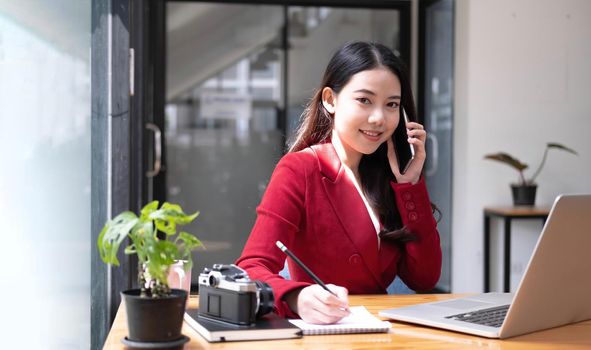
154 311
524 192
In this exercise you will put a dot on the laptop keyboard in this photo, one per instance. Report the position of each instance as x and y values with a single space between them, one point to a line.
492 317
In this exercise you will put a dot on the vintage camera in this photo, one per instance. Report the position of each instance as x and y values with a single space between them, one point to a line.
226 293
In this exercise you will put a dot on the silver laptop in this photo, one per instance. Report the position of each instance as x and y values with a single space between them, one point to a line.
555 289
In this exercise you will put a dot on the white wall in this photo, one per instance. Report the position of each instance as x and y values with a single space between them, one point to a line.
523 78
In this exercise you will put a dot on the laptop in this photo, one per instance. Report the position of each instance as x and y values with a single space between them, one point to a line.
555 289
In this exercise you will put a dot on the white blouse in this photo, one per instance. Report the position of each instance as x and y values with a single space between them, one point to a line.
372 215
336 141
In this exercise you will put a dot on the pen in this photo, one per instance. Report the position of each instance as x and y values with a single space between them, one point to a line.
301 264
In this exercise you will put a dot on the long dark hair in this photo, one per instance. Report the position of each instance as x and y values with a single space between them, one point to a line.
374 169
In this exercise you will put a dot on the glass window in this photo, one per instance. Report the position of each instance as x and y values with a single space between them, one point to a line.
223 142
45 177
315 33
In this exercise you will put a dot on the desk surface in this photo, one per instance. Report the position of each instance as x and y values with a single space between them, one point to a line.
517 211
401 336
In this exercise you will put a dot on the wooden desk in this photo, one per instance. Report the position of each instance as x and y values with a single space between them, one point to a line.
507 214
401 336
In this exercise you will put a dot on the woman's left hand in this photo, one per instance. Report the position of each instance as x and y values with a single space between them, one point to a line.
416 137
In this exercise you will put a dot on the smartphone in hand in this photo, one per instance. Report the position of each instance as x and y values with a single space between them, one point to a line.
405 152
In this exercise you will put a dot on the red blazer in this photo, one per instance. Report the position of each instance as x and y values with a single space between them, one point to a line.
312 206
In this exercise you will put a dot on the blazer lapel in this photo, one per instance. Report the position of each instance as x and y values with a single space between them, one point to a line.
349 207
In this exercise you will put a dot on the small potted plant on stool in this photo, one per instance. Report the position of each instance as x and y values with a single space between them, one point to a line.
154 310
524 192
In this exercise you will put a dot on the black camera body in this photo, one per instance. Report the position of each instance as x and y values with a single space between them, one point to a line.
227 294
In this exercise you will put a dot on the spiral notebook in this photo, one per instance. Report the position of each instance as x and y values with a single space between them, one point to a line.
359 321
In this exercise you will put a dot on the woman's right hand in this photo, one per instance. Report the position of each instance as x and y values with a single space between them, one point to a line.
417 136
316 305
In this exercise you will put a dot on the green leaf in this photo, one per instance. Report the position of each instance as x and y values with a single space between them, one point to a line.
148 209
562 147
189 241
104 246
188 218
187 244
507 159
172 207
177 214
113 233
142 236
155 254
169 216
130 249
166 226
161 255
173 212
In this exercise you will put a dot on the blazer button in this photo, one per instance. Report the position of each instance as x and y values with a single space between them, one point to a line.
410 205
413 216
406 196
355 259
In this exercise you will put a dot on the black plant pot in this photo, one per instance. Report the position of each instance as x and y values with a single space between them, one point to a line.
524 194
155 320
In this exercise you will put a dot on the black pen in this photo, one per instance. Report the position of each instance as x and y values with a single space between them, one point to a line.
301 264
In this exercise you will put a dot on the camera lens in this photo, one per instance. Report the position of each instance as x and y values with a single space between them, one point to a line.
213 281
266 298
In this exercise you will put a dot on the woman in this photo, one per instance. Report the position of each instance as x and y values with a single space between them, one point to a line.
338 199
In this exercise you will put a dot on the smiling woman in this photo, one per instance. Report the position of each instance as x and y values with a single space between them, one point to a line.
368 112
339 194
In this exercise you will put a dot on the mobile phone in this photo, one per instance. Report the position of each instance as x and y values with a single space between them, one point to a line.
405 152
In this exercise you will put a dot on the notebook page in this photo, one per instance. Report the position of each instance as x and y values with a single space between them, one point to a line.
359 321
